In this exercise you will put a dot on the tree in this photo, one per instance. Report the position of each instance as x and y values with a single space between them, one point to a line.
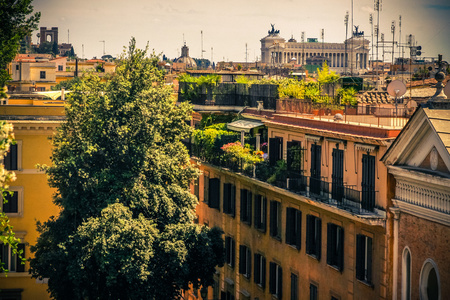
7 235
45 48
122 177
15 24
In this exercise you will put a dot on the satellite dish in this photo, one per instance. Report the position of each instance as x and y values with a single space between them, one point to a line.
396 89
447 89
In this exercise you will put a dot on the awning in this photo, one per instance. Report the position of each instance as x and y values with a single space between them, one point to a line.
244 125
53 94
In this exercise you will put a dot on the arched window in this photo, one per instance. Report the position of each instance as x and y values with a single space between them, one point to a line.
406 275
429 281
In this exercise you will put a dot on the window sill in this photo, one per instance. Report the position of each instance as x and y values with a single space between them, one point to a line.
335 268
294 247
261 230
369 284
276 238
313 256
15 274
14 215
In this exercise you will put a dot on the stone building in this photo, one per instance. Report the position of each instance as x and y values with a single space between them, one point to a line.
189 62
350 56
419 166
320 233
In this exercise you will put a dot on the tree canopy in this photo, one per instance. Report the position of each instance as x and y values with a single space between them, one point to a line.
122 177
15 23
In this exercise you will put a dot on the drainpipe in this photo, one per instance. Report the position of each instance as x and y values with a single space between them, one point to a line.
396 212
76 67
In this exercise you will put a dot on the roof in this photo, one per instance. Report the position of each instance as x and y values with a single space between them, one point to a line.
440 120
370 97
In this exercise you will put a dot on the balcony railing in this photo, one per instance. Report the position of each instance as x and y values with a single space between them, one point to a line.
342 196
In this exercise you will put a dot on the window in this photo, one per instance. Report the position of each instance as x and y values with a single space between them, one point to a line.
364 258
429 287
17 67
206 187
335 246
229 199
196 188
294 157
276 279
60 68
275 150
11 160
246 206
260 270
316 164
260 212
313 292
313 236
11 260
245 261
293 227
214 193
12 202
294 286
275 219
230 254
406 275
368 182
337 177
42 75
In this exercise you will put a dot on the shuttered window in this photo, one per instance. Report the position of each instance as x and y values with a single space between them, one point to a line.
275 280
260 212
229 199
246 206
294 286
245 261
368 182
275 219
313 295
335 246
337 175
10 160
364 258
214 193
259 262
275 150
230 251
313 236
293 227
11 203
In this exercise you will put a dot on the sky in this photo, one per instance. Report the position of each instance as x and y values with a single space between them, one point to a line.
233 28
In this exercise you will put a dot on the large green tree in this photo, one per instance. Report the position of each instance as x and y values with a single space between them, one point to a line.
16 21
122 174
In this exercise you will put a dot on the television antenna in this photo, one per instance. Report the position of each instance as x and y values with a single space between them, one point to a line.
103 46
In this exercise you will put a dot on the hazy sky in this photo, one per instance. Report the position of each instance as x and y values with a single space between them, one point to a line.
228 25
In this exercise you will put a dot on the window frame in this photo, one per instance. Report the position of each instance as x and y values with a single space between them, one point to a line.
245 261
259 276
335 246
19 190
260 212
246 206
275 219
230 251
313 236
42 74
214 193
229 199
364 258
293 227
275 280
17 148
18 267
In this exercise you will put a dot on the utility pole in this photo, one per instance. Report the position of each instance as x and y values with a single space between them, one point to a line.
68 39
377 7
211 56
82 51
246 53
351 50
382 56
201 33
346 33
103 46
393 46
371 25
400 40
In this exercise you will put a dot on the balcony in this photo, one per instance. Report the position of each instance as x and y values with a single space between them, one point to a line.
344 197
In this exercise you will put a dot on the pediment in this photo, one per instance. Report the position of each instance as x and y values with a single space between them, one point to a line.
419 146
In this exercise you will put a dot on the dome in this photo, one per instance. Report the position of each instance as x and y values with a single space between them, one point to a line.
185 58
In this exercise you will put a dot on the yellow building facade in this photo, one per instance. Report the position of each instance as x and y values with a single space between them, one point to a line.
32 200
